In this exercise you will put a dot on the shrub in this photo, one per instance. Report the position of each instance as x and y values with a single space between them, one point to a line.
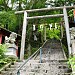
3 58
2 50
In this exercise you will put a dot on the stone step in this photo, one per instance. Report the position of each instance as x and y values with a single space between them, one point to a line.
63 60
11 69
8 72
18 63
47 51
5 73
13 66
41 69
65 74
33 73
63 66
27 73
57 61
69 70
53 62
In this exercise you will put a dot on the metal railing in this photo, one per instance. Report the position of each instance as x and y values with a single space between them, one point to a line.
39 50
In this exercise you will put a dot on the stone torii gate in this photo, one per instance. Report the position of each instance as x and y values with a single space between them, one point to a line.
45 16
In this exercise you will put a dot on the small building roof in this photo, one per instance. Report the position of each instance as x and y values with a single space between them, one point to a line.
6 32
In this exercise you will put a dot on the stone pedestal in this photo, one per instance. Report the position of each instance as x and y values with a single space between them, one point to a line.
11 50
72 35
73 47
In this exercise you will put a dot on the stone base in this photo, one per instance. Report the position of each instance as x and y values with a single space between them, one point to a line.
11 50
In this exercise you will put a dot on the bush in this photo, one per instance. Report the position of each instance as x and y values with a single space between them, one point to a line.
72 62
2 50
3 58
53 33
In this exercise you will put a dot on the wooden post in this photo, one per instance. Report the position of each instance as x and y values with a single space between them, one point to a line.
61 30
23 36
67 28
44 33
40 54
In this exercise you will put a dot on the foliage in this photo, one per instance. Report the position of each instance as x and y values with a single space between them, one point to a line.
60 2
71 13
53 33
2 50
8 20
6 60
2 55
72 62
4 5
3 58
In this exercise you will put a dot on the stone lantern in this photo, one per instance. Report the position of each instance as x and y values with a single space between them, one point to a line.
11 46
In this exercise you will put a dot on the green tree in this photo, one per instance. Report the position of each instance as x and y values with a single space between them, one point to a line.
8 20
58 3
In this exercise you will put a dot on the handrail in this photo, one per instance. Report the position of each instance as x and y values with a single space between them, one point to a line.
63 50
30 57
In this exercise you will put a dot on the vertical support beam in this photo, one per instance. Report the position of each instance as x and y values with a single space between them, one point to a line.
44 33
61 31
67 29
23 36
40 55
18 73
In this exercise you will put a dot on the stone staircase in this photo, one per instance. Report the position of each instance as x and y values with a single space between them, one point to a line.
52 67
52 50
53 62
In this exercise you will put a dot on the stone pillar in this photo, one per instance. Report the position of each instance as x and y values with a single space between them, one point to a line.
72 33
73 47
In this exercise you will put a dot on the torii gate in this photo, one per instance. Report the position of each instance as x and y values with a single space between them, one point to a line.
46 16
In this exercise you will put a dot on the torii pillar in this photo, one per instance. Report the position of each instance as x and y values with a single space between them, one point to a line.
23 36
67 29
